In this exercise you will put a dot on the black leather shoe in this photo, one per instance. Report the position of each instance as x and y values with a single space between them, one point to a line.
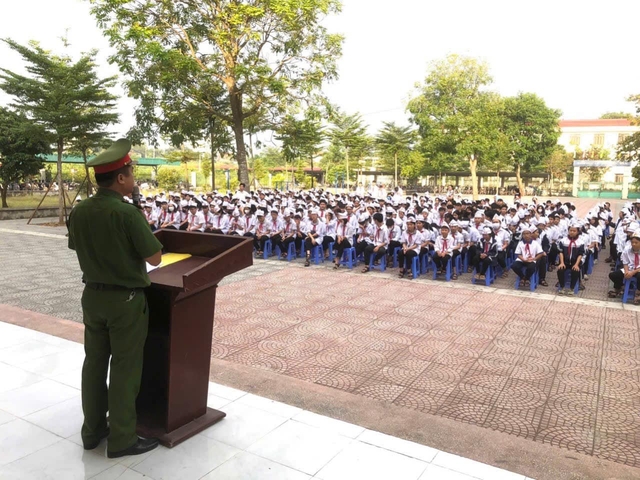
91 446
143 445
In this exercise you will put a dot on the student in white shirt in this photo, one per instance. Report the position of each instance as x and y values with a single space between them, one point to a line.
151 216
527 252
630 259
379 241
195 220
329 231
446 249
410 240
344 237
314 230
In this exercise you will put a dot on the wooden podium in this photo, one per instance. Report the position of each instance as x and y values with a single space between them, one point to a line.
172 403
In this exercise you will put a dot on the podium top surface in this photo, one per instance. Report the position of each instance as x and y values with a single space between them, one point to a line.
213 257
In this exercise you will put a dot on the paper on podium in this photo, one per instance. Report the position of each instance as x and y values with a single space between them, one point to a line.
168 259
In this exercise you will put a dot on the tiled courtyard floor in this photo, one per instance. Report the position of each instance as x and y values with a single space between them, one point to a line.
554 370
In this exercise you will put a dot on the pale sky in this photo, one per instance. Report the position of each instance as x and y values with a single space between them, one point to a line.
577 55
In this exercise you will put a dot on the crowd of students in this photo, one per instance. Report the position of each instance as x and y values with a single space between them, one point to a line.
531 238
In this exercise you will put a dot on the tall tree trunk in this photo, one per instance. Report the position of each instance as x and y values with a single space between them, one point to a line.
238 131
3 194
86 172
519 180
61 201
213 153
347 157
395 158
312 172
473 166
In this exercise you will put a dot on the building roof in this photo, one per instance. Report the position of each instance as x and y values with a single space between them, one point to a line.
143 162
601 122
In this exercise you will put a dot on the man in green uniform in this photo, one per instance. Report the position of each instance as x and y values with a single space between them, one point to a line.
113 240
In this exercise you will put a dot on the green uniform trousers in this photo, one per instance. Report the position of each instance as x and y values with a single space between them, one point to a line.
115 327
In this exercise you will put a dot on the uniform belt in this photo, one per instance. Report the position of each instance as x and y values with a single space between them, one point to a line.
105 287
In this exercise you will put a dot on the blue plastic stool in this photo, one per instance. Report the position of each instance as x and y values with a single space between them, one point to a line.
533 281
415 267
291 252
349 257
459 264
448 270
426 263
395 256
590 264
630 285
267 249
331 255
567 282
383 263
317 254
489 276
465 263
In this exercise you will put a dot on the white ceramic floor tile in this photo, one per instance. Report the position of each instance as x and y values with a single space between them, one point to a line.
23 352
473 468
56 364
11 335
62 460
300 446
14 377
269 405
71 379
434 472
5 417
330 424
225 392
247 466
32 398
243 425
360 460
214 401
398 445
64 419
68 345
19 439
190 460
120 472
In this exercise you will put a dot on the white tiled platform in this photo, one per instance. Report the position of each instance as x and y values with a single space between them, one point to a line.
41 416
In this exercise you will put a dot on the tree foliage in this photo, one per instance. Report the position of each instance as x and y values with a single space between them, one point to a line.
348 136
169 178
394 143
232 60
21 143
67 98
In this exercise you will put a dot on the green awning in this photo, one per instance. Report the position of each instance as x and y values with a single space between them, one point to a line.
143 162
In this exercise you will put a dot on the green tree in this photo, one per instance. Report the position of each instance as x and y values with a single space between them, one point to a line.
168 177
301 139
532 131
618 115
257 57
456 117
558 164
185 157
21 143
393 141
67 98
88 144
349 133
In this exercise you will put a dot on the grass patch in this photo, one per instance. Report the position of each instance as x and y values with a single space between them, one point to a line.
31 201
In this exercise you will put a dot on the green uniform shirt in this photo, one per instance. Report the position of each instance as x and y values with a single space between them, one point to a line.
111 238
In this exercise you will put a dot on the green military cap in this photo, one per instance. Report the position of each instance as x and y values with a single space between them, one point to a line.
113 158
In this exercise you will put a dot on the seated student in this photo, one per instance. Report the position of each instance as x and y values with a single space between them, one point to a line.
261 233
379 242
539 236
195 220
395 237
411 241
446 249
275 225
219 221
314 230
184 212
344 237
363 233
571 253
236 225
527 254
293 232
630 259
502 238
486 253
208 218
329 232
151 216
172 219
